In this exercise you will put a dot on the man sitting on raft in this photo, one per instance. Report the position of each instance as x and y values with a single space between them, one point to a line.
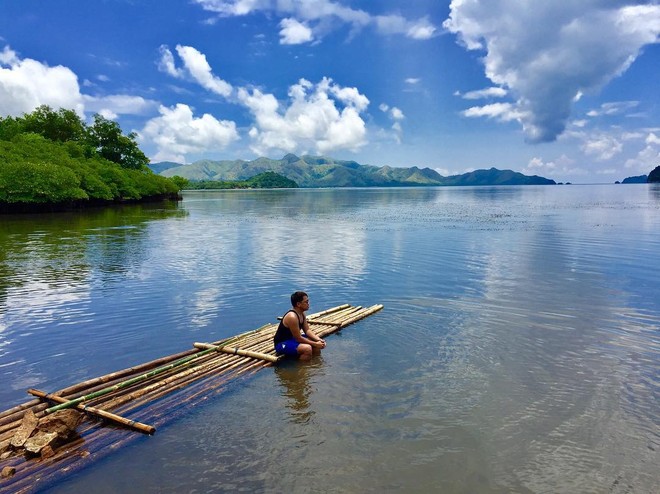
293 337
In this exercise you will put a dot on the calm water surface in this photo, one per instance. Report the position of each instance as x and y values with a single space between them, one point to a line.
519 348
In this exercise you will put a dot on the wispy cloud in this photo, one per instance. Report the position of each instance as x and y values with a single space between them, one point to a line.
308 21
504 112
113 105
614 108
196 66
489 92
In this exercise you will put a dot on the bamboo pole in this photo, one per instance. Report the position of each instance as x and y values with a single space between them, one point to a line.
323 323
135 369
164 379
176 381
159 384
187 381
127 383
367 312
19 408
101 400
329 311
122 373
17 415
14 416
147 429
236 351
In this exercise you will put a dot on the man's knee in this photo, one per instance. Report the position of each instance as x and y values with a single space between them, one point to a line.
305 351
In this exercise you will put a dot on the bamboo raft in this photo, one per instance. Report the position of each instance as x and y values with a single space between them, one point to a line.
154 392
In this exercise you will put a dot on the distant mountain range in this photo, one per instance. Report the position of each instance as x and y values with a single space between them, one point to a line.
318 171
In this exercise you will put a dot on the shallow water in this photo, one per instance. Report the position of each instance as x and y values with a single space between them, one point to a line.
519 348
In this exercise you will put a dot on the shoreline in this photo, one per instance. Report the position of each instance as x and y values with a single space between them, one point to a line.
33 207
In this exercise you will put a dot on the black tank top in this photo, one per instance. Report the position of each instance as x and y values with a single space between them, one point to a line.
283 333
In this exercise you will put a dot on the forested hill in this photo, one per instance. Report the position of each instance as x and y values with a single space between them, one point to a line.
315 171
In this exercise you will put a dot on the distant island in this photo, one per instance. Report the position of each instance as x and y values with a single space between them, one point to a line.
266 180
639 179
653 177
320 171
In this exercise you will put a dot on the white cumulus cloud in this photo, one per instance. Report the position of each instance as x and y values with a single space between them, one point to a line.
321 117
648 158
294 32
176 133
393 112
348 95
396 24
602 146
167 64
652 140
562 166
549 52
396 115
26 84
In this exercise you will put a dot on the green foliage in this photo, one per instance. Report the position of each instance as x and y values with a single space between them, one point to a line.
39 182
36 170
270 180
62 125
103 138
106 137
266 180
9 128
181 182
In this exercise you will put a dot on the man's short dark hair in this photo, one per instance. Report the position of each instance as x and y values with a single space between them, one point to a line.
297 297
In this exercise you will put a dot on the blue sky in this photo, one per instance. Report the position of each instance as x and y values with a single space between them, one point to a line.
566 90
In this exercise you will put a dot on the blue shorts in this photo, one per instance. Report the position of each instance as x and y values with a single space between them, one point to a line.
288 348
